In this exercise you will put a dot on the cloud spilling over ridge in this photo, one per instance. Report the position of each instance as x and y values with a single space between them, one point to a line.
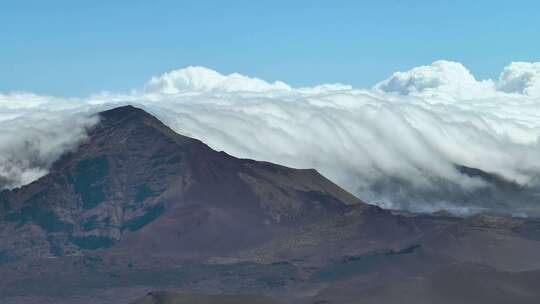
35 131
399 144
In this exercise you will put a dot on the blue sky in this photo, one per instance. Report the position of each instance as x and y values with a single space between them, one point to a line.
75 48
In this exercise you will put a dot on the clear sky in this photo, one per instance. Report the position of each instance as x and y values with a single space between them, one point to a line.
75 48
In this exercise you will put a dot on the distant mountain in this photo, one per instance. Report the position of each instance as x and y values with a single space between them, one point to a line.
137 207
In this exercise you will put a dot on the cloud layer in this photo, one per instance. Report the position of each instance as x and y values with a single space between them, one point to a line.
398 144
35 131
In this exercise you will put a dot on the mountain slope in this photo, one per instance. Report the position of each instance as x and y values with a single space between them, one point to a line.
134 179
137 207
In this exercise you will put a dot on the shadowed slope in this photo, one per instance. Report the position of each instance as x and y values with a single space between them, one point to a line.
136 184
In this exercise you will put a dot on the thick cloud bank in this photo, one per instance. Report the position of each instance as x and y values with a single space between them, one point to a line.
35 131
430 138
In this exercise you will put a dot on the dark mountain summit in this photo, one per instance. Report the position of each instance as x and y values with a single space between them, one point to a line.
134 176
138 207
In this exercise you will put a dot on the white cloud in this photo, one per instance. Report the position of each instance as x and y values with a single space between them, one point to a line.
35 131
521 78
196 79
438 80
395 144
451 80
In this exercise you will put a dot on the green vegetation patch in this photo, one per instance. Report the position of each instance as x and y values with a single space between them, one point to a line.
92 242
5 205
87 181
55 246
33 210
143 192
90 223
3 257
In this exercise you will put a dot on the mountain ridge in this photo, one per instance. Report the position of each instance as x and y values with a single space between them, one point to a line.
132 168
138 207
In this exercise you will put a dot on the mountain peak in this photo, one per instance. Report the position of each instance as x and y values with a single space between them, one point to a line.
123 112
134 121
126 117
135 183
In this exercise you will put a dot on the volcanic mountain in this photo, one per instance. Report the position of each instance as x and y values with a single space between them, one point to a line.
136 184
137 207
